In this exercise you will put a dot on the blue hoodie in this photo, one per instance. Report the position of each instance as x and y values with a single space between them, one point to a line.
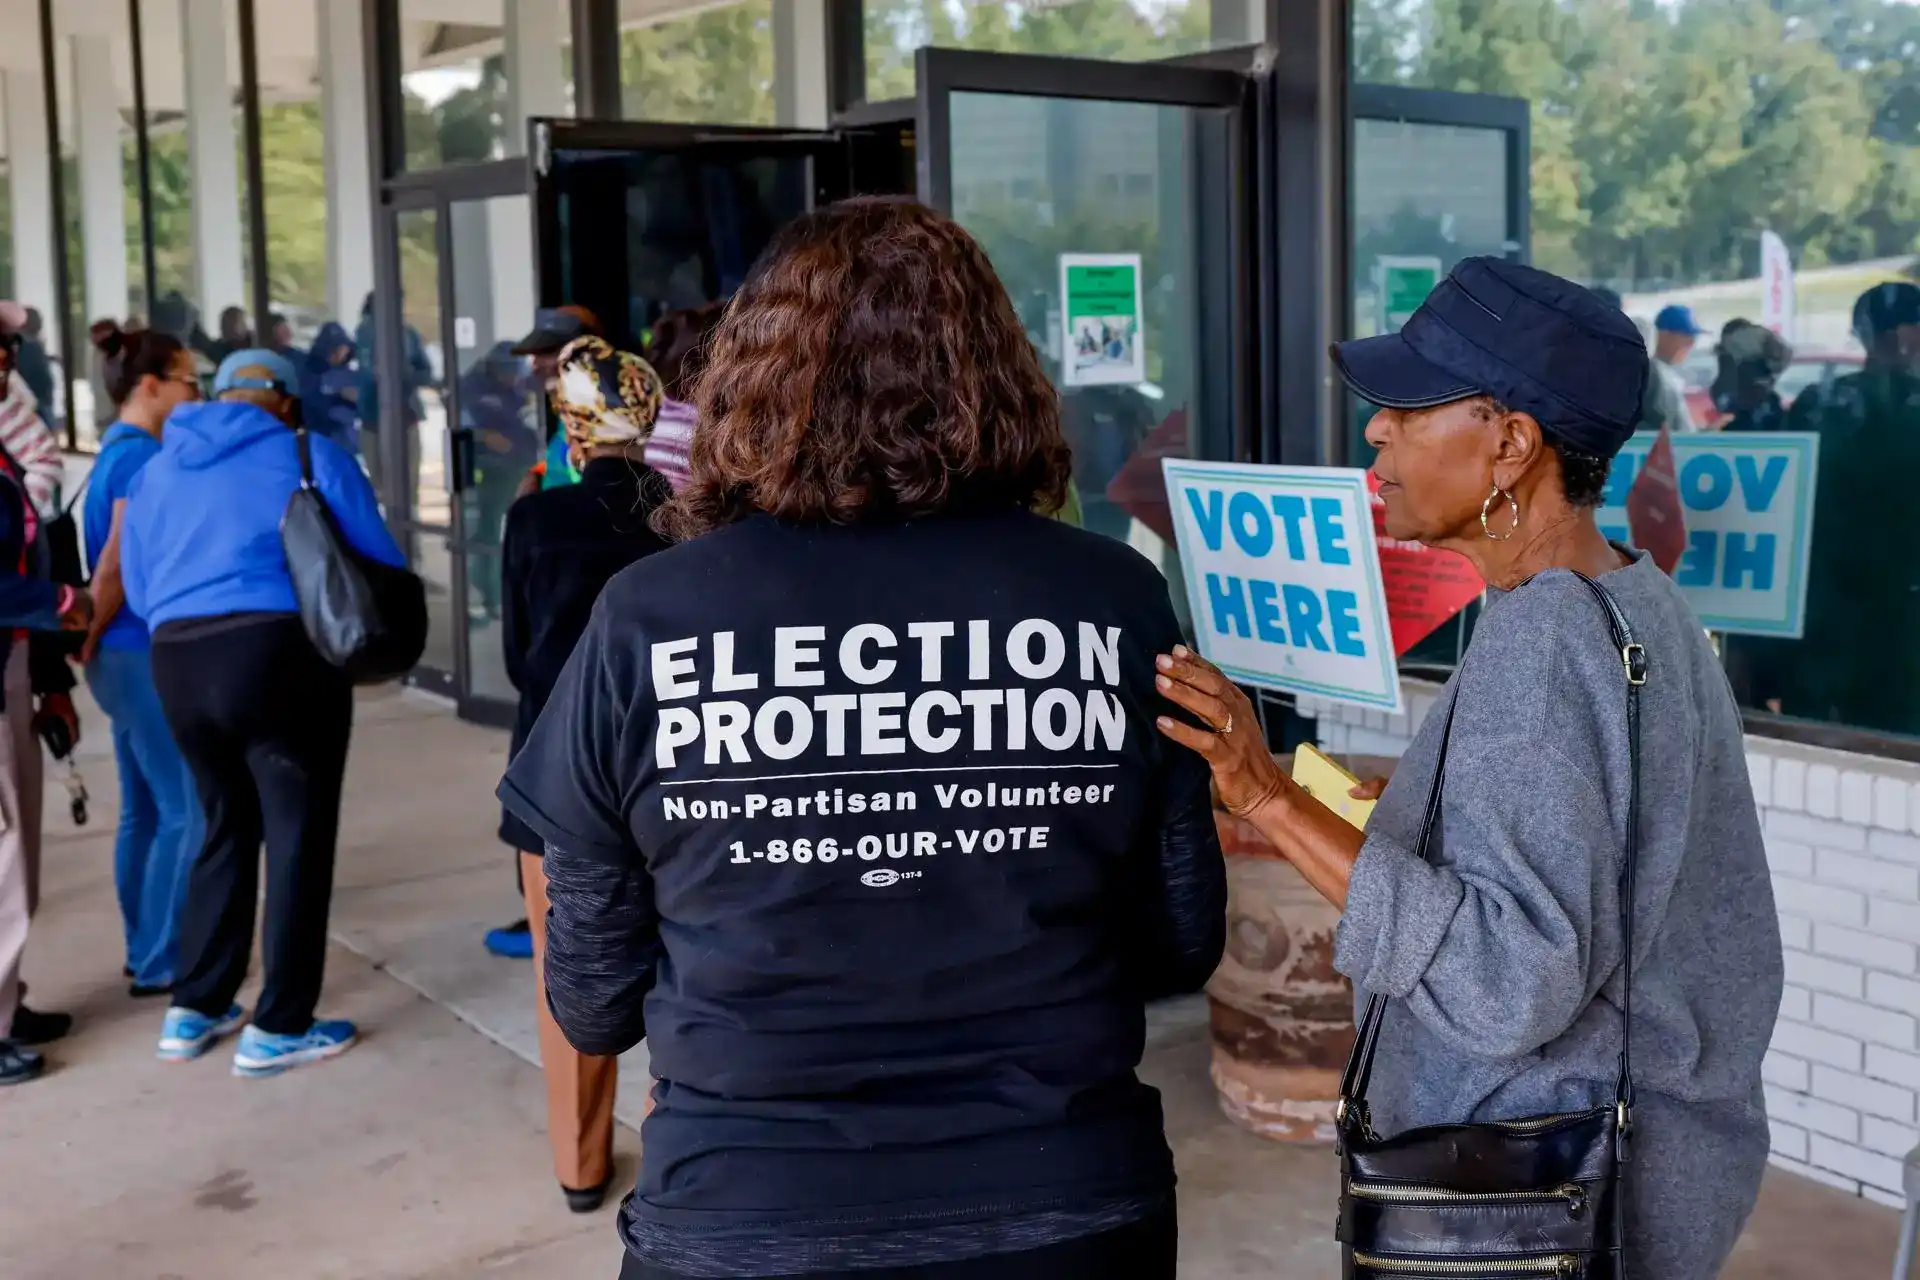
201 537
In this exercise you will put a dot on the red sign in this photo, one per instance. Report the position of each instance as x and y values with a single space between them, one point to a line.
1424 587
1656 520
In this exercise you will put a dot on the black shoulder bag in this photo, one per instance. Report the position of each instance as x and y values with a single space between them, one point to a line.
367 618
1511 1199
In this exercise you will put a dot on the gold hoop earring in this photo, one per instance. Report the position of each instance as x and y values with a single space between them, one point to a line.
1486 509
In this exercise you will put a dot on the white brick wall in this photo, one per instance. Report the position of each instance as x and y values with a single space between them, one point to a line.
1843 842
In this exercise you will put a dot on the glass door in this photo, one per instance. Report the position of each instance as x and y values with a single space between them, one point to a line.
470 414
1114 203
637 219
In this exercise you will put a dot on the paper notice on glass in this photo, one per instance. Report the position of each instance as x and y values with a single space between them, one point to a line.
1103 343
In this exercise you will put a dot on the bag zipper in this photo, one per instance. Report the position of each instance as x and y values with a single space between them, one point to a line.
1416 1195
1559 1264
1534 1124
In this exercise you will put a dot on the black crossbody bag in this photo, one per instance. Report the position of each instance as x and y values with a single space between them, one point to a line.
1509 1200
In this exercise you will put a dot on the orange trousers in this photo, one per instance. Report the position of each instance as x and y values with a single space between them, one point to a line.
580 1087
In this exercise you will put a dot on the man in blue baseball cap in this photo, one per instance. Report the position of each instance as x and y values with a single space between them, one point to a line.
261 718
1675 332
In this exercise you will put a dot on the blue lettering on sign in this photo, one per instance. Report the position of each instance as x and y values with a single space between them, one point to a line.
1344 609
1207 514
1758 488
1251 527
1696 566
1266 611
1742 560
1254 608
1330 532
1292 509
1229 605
1303 616
1706 482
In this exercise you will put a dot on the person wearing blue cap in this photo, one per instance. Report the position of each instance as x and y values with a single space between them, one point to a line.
1675 332
262 719
1589 729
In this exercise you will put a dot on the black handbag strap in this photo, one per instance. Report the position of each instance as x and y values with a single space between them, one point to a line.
305 446
1633 659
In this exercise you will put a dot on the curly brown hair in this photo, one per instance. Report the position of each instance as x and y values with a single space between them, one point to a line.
871 369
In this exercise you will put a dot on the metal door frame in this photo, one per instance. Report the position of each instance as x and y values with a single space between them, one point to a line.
940 73
437 190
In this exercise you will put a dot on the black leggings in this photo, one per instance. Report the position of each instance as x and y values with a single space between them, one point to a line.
1143 1250
263 723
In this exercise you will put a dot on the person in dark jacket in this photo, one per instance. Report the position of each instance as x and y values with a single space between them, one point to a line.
261 717
33 364
30 670
853 806
330 387
497 405
561 548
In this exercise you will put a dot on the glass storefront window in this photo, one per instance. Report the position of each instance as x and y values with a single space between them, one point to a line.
712 66
1118 30
1665 140
458 80
1119 178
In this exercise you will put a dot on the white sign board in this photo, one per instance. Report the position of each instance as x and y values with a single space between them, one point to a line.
1776 285
1284 580
1749 499
1104 342
466 334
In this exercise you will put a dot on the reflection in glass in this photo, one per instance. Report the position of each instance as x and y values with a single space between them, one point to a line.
460 103
1035 178
712 66
432 559
499 403
1116 30
423 416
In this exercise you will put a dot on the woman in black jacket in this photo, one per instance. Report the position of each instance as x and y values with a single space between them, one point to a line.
854 807
559 549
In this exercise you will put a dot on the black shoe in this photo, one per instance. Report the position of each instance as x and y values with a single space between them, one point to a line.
30 1026
18 1065
140 992
126 971
587 1199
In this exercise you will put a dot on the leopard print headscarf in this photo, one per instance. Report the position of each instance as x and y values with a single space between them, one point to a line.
605 396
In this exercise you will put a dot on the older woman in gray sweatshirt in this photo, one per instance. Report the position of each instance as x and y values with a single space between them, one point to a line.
1503 401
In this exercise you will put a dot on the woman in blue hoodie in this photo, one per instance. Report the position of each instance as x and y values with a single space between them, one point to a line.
262 719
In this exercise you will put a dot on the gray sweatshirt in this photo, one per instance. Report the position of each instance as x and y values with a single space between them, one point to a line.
1503 957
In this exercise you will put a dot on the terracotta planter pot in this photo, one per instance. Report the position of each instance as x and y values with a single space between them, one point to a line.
1282 1017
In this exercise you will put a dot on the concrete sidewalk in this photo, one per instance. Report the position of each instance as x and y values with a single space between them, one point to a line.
421 1154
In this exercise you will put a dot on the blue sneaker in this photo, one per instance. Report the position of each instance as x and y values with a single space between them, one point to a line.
261 1053
186 1034
511 941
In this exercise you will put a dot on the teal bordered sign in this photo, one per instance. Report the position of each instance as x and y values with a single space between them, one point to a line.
1284 580
1748 497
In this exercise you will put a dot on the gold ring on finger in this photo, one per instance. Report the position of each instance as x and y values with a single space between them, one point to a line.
1226 728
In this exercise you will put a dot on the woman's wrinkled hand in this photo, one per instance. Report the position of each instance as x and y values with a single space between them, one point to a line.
1244 771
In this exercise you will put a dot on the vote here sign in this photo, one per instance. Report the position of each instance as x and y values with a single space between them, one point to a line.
1749 505
1284 579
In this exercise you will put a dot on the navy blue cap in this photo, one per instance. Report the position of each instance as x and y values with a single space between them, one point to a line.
1536 343
1885 307
554 328
280 374
1675 318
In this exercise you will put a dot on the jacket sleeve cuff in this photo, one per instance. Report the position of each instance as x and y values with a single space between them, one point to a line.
1399 909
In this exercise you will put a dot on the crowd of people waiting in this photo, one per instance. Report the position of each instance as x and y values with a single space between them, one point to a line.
773 673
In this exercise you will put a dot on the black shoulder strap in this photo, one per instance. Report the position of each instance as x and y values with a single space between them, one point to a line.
305 445
1633 659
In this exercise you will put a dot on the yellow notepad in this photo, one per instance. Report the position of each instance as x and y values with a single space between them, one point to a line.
1331 785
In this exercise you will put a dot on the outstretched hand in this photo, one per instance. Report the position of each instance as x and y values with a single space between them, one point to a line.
1232 743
